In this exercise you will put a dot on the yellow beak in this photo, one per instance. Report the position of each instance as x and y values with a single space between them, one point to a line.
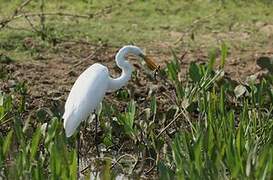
150 63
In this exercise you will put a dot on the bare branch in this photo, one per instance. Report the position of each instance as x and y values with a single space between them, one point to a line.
42 14
55 14
31 24
166 127
4 22
42 19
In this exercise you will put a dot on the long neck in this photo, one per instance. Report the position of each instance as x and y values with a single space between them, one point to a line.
117 83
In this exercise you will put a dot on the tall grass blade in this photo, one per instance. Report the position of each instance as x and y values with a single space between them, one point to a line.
35 142
7 143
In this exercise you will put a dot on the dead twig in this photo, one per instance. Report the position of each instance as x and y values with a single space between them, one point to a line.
4 22
84 169
54 14
42 20
121 157
92 162
166 127
42 14
31 24
150 170
135 164
183 111
91 56
15 16
5 122
17 28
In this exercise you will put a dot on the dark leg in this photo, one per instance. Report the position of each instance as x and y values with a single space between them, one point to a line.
96 135
78 152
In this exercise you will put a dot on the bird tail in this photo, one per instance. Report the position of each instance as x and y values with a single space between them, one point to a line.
70 123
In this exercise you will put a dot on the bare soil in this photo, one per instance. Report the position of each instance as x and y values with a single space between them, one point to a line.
51 77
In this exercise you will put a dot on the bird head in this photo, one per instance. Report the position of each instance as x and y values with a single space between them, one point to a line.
137 51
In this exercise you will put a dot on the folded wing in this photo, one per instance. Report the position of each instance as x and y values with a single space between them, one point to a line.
85 96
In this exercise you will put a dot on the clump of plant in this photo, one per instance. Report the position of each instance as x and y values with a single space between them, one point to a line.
230 135
30 148
211 128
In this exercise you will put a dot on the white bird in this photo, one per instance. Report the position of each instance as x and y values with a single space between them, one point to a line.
90 87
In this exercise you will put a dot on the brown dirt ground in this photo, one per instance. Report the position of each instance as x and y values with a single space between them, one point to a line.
51 77
52 74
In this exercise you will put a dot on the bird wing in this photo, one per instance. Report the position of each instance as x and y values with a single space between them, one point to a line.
85 95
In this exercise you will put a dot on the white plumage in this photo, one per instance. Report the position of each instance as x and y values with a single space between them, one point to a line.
85 96
90 88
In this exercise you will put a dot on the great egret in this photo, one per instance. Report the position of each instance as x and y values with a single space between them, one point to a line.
91 86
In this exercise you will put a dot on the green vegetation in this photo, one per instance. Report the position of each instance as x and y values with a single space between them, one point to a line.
205 126
232 136
191 24
222 131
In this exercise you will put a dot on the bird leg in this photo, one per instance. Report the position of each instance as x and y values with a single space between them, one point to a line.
96 134
156 71
78 152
